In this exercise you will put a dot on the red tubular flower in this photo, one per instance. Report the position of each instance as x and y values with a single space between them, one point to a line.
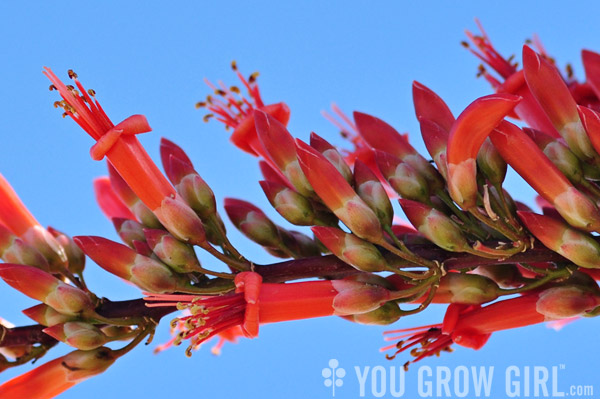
126 154
472 326
51 379
552 93
337 194
237 112
468 133
256 303
520 152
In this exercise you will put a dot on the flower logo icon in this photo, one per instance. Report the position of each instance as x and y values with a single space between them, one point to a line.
333 375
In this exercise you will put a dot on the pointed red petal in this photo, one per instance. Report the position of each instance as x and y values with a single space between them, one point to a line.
381 136
591 63
549 88
475 123
429 105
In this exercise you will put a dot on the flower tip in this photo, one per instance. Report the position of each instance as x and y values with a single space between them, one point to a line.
429 105
531 60
170 149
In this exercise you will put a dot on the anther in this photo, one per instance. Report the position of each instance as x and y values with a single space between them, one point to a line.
569 69
72 74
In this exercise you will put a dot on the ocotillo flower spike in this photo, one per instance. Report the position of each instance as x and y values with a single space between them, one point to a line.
547 264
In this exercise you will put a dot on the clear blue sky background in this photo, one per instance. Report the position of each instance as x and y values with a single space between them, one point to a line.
143 57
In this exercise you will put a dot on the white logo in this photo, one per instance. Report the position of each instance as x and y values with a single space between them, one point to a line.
333 375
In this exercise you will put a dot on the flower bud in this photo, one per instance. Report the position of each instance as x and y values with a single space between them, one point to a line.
468 289
506 276
551 92
383 137
360 254
181 221
403 178
429 106
338 195
174 253
386 314
194 190
491 163
355 298
436 141
251 221
46 288
81 365
129 230
566 301
41 239
294 207
46 316
332 155
15 250
370 190
434 225
116 332
300 245
559 154
75 256
577 246
120 260
78 334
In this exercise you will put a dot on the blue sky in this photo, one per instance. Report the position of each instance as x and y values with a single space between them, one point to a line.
145 57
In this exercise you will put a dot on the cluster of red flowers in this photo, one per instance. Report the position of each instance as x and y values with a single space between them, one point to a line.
470 244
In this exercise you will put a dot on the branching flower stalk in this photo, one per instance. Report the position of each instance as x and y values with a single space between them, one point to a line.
466 243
